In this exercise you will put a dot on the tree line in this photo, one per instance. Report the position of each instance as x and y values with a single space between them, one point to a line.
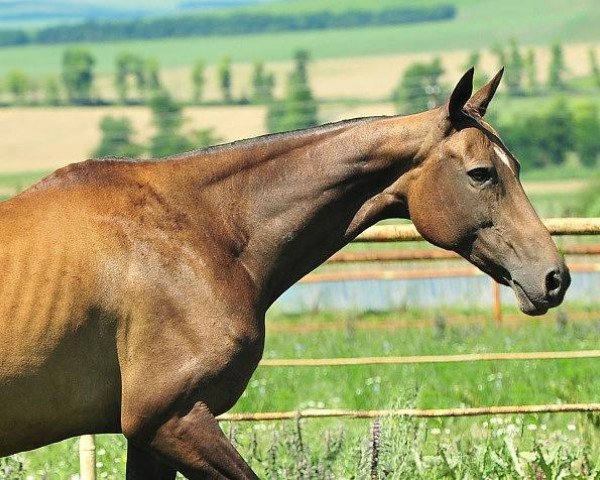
137 81
420 86
236 23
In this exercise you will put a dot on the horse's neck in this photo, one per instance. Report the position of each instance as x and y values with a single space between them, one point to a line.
297 199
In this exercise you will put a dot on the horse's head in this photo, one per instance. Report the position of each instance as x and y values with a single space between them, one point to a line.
468 198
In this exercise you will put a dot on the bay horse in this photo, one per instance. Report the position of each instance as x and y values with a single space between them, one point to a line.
133 294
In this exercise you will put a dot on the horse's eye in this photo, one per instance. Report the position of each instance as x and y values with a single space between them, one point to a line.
481 174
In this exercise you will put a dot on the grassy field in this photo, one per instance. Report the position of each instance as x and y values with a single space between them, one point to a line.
345 450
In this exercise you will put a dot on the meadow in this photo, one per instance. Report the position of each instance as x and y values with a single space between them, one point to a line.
435 448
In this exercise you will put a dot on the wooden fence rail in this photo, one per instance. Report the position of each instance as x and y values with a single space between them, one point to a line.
408 233
429 273
412 412
415 254
421 359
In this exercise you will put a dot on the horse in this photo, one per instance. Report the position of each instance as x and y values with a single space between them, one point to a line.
134 293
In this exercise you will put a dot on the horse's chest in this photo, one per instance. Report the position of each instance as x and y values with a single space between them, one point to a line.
231 366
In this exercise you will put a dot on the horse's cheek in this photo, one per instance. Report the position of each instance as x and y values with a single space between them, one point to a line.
430 207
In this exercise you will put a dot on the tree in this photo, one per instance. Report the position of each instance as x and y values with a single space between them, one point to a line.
121 76
515 67
224 74
17 84
51 91
498 51
298 109
77 74
419 88
151 75
586 128
145 74
543 138
530 71
168 119
302 58
558 130
198 81
557 68
116 139
262 83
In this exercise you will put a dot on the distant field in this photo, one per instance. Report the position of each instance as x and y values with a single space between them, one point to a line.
478 25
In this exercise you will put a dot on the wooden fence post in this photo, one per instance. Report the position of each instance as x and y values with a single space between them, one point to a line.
497 302
87 457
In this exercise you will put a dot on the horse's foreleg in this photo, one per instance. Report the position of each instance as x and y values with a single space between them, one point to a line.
195 444
145 465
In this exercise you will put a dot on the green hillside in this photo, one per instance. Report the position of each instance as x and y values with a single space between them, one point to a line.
478 25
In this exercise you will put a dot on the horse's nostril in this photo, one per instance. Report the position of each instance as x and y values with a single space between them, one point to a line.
553 282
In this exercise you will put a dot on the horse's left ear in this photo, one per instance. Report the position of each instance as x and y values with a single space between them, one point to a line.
460 95
479 102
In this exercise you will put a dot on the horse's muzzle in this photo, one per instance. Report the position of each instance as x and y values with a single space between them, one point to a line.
535 297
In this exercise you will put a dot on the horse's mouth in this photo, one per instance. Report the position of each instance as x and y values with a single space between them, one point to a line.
526 304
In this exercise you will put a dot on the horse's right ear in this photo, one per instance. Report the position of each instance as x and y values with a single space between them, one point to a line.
460 96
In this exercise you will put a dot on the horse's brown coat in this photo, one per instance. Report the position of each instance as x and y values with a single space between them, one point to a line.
133 295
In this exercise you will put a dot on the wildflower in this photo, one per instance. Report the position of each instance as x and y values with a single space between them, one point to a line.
435 431
571 427
532 427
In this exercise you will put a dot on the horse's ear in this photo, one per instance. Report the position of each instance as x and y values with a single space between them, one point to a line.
482 98
460 95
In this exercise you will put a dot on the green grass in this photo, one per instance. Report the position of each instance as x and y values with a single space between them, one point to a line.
271 447
478 25
447 385
21 180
